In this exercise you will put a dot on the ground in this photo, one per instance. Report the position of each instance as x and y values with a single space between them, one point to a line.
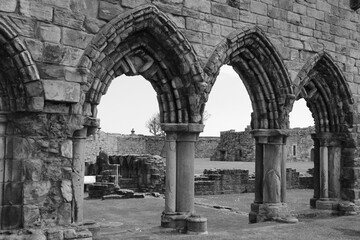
227 215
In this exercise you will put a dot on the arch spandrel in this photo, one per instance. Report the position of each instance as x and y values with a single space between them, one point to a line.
144 41
324 87
20 85
263 72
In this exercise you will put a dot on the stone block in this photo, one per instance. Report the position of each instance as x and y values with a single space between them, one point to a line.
198 25
86 7
35 193
35 48
24 26
31 215
55 234
49 33
20 148
64 214
8 5
53 53
13 193
36 9
200 5
66 190
13 170
225 11
93 25
70 234
134 3
61 91
72 56
61 4
67 18
76 38
32 169
258 8
12 217
108 11
34 89
67 149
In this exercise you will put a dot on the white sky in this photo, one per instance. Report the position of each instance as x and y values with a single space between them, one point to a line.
131 101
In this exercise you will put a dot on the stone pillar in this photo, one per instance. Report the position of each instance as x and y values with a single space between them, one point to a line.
3 121
170 184
179 205
78 170
329 157
315 157
270 165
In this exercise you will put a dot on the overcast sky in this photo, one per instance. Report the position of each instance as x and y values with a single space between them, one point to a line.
131 101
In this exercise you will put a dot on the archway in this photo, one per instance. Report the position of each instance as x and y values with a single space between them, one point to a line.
323 86
260 67
145 42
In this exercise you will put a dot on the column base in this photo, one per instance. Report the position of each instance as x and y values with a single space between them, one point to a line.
327 204
348 208
184 223
313 202
261 212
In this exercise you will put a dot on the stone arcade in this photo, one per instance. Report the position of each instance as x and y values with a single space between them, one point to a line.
57 59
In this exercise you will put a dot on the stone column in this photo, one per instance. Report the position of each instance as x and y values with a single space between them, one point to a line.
315 156
78 170
170 184
329 176
185 155
270 165
3 121
181 139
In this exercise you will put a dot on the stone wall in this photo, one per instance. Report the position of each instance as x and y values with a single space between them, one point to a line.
229 181
117 144
235 146
240 146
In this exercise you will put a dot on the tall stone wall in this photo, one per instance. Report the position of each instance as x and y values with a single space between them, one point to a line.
299 144
119 144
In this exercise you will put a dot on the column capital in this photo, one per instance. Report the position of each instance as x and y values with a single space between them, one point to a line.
80 134
270 136
182 127
327 139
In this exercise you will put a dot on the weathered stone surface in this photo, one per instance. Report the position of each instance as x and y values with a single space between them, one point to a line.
225 11
67 149
108 11
61 91
68 19
86 7
200 5
49 33
76 38
36 192
31 215
53 53
66 190
134 3
72 56
36 9
35 48
32 170
93 25
8 5
24 26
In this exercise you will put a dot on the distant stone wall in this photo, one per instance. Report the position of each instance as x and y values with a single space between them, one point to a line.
235 146
118 144
240 146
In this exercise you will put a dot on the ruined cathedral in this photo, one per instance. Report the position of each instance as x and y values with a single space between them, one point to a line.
58 58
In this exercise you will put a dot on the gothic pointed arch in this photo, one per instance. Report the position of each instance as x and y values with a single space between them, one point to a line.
144 41
20 85
322 84
263 72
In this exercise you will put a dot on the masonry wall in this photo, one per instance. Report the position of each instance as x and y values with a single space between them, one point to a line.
240 146
118 144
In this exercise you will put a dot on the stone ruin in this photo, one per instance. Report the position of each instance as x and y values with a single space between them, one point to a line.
240 146
124 175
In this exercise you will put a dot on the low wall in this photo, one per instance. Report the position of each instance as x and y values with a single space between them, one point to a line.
229 181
